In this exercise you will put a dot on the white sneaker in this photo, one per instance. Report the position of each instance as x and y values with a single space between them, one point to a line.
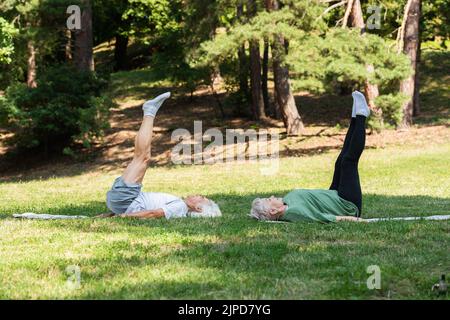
361 107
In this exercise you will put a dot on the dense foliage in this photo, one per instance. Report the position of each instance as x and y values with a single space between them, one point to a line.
190 41
66 107
7 32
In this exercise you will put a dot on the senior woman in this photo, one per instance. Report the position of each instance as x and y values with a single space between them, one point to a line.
343 200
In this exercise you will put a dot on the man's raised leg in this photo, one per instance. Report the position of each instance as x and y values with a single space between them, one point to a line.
135 172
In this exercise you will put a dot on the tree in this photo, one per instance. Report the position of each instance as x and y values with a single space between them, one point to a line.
323 63
416 99
30 12
255 70
409 44
265 79
297 19
283 94
242 56
371 90
120 51
83 51
40 38
31 65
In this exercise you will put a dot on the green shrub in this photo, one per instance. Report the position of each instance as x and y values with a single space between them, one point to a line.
66 107
391 104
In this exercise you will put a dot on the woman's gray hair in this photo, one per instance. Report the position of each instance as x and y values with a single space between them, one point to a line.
209 210
260 210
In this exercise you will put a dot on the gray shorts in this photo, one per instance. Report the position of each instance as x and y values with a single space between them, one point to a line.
121 195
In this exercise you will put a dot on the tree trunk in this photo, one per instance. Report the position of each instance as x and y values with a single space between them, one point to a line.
371 90
84 58
255 69
120 52
269 4
410 48
347 13
243 61
214 76
31 65
284 97
255 80
416 103
265 79
283 94
356 16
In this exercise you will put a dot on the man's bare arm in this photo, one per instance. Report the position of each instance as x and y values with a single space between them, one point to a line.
349 218
147 214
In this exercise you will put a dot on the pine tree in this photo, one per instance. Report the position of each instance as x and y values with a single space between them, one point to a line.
277 27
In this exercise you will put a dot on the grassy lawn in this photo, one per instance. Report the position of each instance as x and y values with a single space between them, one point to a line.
234 256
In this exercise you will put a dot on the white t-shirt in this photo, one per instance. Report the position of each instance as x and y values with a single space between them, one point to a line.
172 206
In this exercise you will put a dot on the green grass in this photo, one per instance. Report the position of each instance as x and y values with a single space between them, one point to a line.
233 256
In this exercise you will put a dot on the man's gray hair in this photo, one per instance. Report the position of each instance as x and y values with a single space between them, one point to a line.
209 210
260 210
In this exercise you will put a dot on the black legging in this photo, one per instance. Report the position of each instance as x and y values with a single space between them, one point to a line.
346 177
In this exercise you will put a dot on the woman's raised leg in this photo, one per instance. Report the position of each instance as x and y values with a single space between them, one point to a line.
349 187
337 164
